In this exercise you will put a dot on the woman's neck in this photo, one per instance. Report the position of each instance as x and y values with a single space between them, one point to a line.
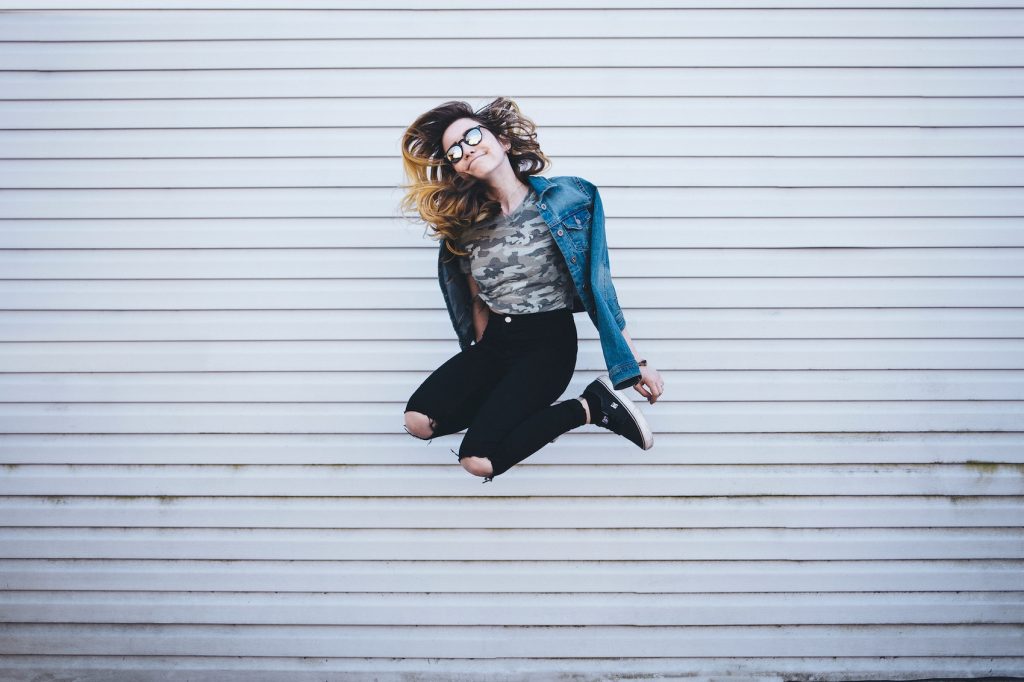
508 191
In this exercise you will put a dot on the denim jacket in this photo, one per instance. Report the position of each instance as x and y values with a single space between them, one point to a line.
572 208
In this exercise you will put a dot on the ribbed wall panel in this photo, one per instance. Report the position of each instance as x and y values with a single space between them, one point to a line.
549 83
603 171
301 325
254 608
943 21
372 142
330 511
425 576
212 313
431 480
582 446
779 109
396 263
675 293
586 52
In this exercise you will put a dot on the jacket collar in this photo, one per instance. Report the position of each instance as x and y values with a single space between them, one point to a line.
540 184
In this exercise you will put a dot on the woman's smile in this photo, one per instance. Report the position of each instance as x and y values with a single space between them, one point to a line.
474 157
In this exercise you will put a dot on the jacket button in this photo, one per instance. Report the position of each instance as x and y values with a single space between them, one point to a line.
508 319
543 205
560 233
573 259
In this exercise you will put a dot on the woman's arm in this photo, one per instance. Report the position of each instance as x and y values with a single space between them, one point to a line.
632 346
650 385
481 312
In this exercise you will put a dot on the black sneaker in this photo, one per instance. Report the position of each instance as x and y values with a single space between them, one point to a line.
618 414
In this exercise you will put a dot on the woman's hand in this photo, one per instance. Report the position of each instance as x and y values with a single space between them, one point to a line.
650 385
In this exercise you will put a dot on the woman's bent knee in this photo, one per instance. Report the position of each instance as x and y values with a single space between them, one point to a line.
478 466
419 424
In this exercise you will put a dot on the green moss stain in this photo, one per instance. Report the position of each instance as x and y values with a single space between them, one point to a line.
983 467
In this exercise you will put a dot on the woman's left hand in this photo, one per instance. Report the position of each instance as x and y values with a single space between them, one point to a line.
650 385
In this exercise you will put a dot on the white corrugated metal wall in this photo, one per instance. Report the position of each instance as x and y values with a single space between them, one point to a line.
212 317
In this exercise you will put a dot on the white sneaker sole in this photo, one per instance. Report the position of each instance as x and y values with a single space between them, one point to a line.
634 412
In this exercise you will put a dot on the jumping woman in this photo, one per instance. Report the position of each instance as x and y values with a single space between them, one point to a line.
519 254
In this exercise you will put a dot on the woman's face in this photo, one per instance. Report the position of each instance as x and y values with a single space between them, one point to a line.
479 160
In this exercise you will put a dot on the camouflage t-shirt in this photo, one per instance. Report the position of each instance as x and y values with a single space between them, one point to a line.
516 262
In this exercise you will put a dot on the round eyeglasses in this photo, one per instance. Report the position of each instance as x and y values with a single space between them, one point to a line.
472 137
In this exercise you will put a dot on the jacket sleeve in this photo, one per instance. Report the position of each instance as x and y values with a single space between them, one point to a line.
622 367
455 290
600 267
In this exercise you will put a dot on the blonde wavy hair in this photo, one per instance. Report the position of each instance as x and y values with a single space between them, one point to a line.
446 201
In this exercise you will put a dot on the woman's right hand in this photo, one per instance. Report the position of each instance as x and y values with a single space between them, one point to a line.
650 385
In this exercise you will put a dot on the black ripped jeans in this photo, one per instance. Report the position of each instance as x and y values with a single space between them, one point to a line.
502 389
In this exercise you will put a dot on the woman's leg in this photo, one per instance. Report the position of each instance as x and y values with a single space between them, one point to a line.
517 419
449 398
